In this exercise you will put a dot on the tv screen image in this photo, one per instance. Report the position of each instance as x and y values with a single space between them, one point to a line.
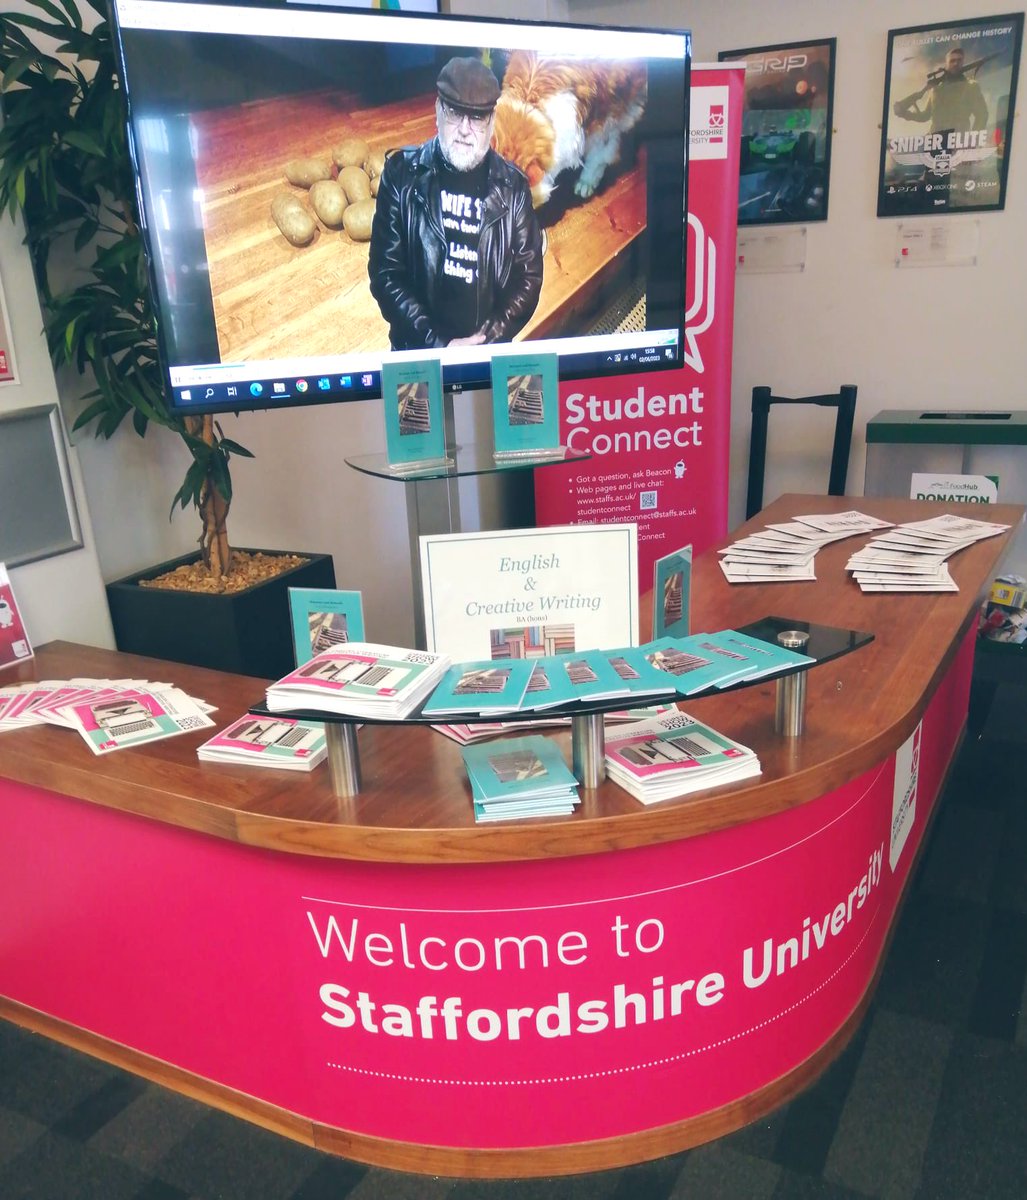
571 240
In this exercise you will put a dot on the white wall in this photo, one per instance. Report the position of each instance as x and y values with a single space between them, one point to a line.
946 337
60 597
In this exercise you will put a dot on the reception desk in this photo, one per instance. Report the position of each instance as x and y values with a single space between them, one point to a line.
382 978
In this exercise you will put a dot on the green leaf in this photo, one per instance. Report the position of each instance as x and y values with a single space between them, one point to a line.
235 448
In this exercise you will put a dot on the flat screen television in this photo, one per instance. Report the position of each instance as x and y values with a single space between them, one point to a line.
222 98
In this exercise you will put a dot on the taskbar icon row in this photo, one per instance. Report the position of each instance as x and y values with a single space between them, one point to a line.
269 391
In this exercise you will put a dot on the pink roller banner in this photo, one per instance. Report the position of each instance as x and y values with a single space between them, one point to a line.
660 441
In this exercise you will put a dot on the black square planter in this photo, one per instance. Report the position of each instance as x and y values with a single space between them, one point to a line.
247 632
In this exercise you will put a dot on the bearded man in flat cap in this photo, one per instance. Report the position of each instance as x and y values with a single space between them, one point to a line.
456 249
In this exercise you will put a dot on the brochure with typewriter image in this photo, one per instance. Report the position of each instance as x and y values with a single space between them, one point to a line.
283 743
323 618
673 743
414 428
592 676
637 673
14 641
361 679
526 405
131 718
480 687
530 593
764 657
672 581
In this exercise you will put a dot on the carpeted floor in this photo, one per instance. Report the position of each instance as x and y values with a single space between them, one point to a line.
929 1101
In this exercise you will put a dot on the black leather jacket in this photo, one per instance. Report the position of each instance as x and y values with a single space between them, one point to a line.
408 245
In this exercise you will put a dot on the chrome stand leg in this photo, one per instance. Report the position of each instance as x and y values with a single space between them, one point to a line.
588 742
343 758
790 711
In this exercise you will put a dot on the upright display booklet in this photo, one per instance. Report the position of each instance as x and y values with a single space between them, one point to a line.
322 619
526 406
415 434
672 583
14 641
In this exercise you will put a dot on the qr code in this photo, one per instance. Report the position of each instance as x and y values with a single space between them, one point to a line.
646 500
192 723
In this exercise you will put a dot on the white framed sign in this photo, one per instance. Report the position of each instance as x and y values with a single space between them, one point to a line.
526 593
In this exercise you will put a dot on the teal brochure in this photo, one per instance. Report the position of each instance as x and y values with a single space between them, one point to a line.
592 676
764 657
691 663
548 686
637 673
414 428
526 405
480 687
672 583
323 619
518 769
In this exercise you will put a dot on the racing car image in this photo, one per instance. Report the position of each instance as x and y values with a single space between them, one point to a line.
776 146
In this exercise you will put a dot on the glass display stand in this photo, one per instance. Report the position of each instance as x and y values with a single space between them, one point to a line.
825 642
433 503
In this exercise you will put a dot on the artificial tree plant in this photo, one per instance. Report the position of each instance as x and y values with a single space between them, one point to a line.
65 164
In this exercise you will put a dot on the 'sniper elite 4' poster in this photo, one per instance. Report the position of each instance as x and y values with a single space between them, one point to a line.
950 94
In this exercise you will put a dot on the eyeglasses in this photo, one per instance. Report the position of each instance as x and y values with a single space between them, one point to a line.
478 122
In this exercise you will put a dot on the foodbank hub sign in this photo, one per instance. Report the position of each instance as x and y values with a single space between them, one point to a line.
964 489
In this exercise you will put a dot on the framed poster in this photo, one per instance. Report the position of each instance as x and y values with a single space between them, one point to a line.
785 163
949 99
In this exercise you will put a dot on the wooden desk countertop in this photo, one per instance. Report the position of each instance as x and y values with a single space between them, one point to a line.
416 806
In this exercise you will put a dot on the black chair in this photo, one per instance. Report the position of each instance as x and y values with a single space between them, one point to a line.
844 401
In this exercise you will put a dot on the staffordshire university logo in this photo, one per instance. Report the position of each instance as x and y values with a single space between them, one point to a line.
708 133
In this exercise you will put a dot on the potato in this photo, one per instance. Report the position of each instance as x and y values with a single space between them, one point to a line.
374 185
352 152
357 219
305 171
328 201
355 184
375 163
292 218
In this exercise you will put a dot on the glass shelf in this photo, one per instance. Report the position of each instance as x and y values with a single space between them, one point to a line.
475 459
587 732
825 643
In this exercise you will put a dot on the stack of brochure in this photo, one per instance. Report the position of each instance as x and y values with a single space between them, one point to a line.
360 679
785 552
674 755
109 714
911 557
520 777
282 743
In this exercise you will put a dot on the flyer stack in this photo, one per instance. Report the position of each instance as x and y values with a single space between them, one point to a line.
912 557
674 755
520 777
280 743
109 714
785 552
361 679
